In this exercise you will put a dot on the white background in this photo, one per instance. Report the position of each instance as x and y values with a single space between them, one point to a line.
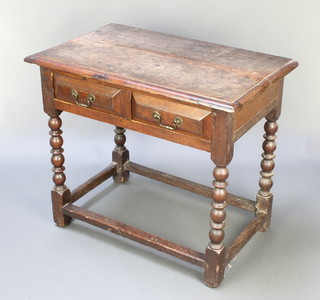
41 261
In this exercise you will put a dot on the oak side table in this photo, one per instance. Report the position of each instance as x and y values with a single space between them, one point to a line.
194 93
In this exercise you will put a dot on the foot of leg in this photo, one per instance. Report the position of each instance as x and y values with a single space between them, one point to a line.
59 199
214 271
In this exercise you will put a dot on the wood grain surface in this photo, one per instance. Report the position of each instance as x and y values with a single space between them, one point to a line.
162 63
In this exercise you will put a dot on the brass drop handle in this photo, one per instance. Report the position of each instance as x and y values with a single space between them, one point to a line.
90 99
176 122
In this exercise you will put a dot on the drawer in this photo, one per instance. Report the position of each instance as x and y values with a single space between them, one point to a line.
87 93
171 115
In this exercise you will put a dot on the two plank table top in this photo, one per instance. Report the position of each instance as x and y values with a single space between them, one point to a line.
195 93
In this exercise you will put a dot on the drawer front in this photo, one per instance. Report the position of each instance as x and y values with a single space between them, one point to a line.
171 115
89 94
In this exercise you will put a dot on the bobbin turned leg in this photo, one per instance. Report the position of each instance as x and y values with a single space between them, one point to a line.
60 194
221 155
120 155
215 251
264 196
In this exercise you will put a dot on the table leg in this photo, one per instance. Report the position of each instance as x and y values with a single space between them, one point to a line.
120 155
60 194
264 196
215 251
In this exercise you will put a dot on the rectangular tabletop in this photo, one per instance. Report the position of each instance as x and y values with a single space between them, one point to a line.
196 71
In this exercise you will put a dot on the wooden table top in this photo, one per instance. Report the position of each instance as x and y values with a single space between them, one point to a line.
205 73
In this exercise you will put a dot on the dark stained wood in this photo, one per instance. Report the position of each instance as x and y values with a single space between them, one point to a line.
218 213
264 196
155 130
120 155
48 92
214 268
107 98
188 185
194 93
255 109
140 58
274 115
169 179
93 182
241 240
195 120
222 138
215 251
256 118
241 202
60 194
134 234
